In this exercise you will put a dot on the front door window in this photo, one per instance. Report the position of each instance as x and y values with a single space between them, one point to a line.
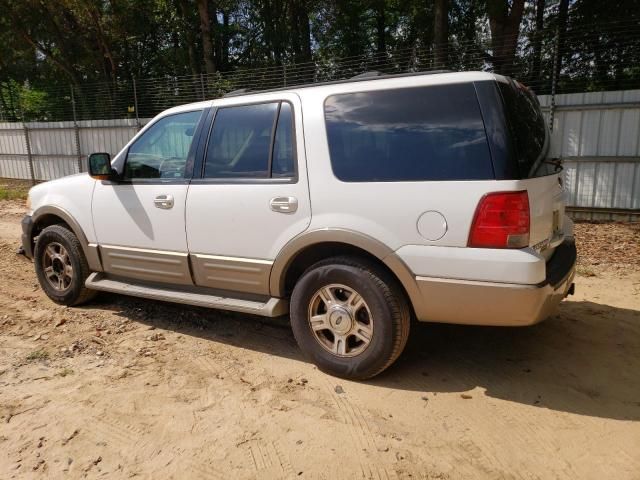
162 151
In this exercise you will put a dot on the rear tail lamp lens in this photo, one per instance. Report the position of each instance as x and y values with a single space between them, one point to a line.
501 221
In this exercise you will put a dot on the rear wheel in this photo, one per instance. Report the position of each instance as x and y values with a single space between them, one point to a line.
61 266
350 317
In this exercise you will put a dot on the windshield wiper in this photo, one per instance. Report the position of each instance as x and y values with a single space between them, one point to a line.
556 162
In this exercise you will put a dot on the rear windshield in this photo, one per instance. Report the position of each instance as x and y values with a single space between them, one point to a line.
409 134
528 129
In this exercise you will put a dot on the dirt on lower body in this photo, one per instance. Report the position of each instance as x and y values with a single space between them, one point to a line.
126 388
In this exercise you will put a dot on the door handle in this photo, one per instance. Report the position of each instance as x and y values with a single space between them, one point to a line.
284 204
164 201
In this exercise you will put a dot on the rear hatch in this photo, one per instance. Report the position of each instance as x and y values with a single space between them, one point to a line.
541 176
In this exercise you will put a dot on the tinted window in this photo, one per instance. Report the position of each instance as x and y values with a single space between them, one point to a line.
411 134
240 142
283 164
162 150
528 129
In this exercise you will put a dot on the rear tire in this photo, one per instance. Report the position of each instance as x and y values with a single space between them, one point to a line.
350 317
61 266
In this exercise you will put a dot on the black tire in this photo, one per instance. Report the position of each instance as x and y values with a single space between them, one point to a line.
386 302
73 293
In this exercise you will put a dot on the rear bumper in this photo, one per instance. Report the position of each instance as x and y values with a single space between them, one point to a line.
502 304
27 227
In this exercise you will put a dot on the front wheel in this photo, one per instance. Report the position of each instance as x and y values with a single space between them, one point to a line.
61 266
350 317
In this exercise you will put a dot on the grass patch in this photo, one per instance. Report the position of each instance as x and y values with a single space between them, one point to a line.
37 355
12 189
12 194
585 271
64 372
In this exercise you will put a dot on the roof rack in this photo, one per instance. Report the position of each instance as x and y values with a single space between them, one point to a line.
370 75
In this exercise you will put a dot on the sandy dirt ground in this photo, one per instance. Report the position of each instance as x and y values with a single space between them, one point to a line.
126 388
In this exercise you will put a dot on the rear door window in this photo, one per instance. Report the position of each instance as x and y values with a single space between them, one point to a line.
409 134
240 141
251 141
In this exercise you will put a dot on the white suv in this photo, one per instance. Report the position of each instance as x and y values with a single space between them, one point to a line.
354 205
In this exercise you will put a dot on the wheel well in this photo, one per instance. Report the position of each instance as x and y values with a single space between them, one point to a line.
45 221
319 251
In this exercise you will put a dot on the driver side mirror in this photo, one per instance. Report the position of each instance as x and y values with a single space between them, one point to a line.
99 167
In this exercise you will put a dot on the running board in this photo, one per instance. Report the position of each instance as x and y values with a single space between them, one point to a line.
273 307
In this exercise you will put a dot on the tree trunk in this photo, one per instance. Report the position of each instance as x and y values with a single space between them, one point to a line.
381 36
224 59
305 35
271 15
563 15
205 31
537 45
301 31
107 62
4 108
189 37
504 23
440 33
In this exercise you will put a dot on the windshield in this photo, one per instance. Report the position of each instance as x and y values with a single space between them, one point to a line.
528 129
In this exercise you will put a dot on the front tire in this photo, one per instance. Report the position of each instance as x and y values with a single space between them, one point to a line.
61 266
349 317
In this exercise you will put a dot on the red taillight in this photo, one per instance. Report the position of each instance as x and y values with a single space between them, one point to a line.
501 221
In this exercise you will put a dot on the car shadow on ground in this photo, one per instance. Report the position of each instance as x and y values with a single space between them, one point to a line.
584 360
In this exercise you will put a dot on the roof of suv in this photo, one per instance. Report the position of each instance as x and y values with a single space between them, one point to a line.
356 84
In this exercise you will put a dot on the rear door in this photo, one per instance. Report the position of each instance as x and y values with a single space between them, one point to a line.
252 195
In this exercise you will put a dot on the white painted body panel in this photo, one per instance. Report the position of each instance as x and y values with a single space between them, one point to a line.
386 211
236 220
125 216
72 194
521 266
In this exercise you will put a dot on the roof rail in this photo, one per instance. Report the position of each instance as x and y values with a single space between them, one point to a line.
371 75
240 91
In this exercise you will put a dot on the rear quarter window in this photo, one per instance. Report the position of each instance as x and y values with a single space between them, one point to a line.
409 134
528 130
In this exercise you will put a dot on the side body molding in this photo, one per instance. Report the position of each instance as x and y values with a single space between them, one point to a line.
90 249
338 235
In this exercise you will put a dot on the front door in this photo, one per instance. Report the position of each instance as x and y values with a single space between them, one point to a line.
252 197
139 220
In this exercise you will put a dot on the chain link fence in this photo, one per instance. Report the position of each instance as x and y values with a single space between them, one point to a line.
587 79
598 57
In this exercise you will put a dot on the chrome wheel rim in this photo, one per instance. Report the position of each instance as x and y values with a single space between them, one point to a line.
340 320
57 267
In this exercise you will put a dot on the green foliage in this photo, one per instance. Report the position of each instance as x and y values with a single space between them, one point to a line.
65 372
23 101
97 47
14 189
37 355
6 194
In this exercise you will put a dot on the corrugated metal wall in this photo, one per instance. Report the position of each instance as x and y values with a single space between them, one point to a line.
596 133
598 136
59 148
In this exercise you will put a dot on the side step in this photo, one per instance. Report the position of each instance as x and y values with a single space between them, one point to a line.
274 307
